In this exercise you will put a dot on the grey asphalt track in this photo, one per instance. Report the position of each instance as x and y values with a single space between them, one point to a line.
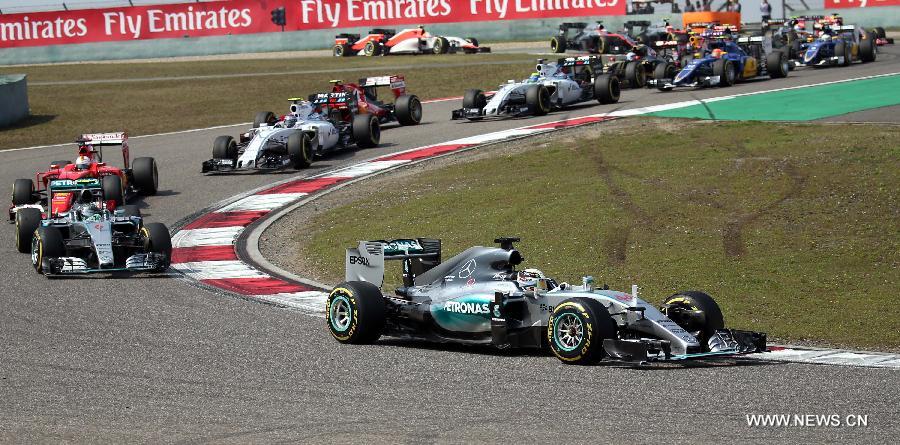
159 360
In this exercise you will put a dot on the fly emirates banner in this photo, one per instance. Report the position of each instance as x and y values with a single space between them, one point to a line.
218 18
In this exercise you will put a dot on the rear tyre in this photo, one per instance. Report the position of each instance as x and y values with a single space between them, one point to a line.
840 48
635 75
441 46
557 44
537 99
299 147
664 70
355 312
576 330
146 176
366 130
372 48
867 51
607 89
696 312
27 221
264 117
47 243
224 147
408 109
777 65
725 70
23 192
112 190
158 240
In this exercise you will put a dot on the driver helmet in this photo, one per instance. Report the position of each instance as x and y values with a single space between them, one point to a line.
630 56
289 121
717 53
535 77
83 162
529 278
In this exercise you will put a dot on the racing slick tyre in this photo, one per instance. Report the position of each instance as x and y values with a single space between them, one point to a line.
474 99
557 44
664 70
635 75
725 70
472 40
537 99
47 243
27 221
224 147
576 330
867 48
60 164
355 312
342 50
23 192
408 109
366 130
112 190
777 65
601 45
264 117
441 46
841 49
146 176
372 48
607 89
158 240
696 312
132 211
299 147
879 32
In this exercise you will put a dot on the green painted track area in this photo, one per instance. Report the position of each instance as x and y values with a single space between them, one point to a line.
799 104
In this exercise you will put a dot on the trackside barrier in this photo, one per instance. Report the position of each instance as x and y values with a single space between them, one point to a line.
13 99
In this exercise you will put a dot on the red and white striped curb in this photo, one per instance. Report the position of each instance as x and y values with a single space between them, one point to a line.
203 250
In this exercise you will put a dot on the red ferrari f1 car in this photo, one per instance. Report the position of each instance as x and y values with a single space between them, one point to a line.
406 109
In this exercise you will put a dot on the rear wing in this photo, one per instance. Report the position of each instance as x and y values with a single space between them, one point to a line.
98 140
339 100
593 62
751 39
366 261
381 81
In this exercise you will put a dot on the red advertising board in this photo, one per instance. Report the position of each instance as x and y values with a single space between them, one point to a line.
831 4
255 16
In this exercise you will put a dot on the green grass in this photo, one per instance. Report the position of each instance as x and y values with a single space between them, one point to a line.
795 229
60 112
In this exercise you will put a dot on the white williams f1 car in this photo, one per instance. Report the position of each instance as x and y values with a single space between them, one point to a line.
552 86
312 128
478 297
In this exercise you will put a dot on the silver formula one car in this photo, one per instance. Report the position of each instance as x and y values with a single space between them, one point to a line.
314 127
479 297
80 232
557 85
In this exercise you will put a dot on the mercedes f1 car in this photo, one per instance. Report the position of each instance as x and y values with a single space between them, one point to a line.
82 232
406 109
138 176
314 127
382 42
553 86
839 45
479 297
729 61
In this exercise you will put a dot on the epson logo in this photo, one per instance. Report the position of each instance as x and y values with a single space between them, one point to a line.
466 308
359 260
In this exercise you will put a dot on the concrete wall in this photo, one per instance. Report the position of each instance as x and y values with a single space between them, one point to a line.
13 99
321 39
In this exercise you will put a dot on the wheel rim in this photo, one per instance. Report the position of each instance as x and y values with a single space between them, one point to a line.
340 314
416 111
568 332
35 252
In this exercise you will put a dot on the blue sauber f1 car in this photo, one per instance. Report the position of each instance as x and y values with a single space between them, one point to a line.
728 61
839 46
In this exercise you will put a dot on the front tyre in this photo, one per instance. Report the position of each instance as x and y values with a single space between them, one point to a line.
408 109
777 65
576 330
355 312
725 70
441 46
47 243
537 99
158 240
299 147
27 221
224 147
366 130
696 312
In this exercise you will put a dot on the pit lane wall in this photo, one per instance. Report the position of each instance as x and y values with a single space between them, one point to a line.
246 26
14 92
